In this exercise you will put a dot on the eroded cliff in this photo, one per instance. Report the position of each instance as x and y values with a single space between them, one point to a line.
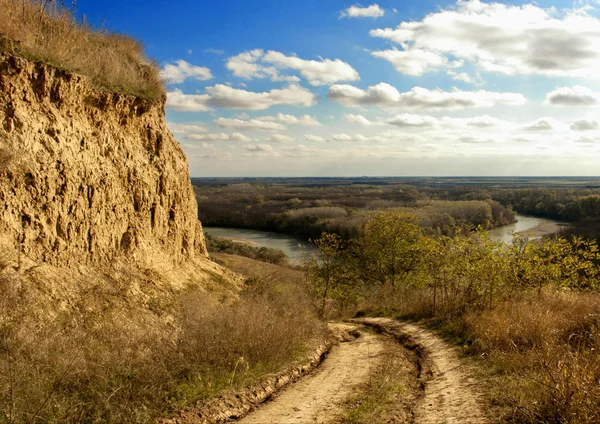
88 176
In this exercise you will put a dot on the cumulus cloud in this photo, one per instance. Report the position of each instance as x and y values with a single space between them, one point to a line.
356 137
484 121
177 100
316 72
505 38
259 147
220 137
246 65
315 138
300 150
187 127
280 138
573 96
372 11
250 124
585 125
258 64
587 140
203 146
464 77
415 62
409 120
227 97
359 119
385 96
304 120
541 124
182 70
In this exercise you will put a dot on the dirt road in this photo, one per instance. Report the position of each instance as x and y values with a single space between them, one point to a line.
450 393
317 397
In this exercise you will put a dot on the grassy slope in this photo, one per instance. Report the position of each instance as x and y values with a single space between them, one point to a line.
42 30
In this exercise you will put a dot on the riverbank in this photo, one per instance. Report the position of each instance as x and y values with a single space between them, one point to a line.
542 229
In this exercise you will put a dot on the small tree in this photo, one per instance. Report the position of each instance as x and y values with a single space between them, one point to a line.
331 271
392 247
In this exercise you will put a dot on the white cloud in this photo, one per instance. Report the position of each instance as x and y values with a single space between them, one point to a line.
214 51
505 38
356 137
464 77
359 120
258 147
585 125
187 127
203 146
251 64
242 115
343 137
250 124
315 138
573 96
227 97
305 120
587 140
177 100
280 138
541 124
182 70
220 137
301 150
409 120
415 62
484 121
372 11
322 72
385 96
245 65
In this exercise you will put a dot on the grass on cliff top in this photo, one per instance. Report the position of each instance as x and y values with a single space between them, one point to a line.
44 30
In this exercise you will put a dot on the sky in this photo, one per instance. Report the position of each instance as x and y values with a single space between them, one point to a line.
386 88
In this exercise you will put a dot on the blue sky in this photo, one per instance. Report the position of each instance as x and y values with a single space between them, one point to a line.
320 88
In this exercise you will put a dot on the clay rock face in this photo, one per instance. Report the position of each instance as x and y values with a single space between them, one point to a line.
86 175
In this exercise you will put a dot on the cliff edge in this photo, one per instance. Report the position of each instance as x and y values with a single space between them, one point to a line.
88 176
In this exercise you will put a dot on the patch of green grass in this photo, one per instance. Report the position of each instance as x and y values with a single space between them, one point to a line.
389 394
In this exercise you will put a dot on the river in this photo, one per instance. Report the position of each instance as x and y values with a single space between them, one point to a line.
526 226
295 249
298 250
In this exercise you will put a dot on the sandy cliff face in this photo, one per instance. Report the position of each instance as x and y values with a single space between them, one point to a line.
89 176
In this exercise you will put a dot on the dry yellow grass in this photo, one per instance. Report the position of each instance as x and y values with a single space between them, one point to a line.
115 354
43 30
545 355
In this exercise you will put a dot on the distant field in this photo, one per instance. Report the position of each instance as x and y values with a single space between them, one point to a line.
441 182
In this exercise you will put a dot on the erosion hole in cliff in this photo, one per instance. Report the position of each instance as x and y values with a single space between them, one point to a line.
25 219
153 215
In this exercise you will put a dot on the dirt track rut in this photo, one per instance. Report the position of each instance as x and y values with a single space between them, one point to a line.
450 392
317 398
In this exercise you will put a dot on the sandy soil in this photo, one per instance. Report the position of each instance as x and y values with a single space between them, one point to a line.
542 229
450 392
241 241
317 398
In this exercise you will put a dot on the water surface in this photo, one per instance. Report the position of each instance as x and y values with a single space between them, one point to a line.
295 249
523 224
